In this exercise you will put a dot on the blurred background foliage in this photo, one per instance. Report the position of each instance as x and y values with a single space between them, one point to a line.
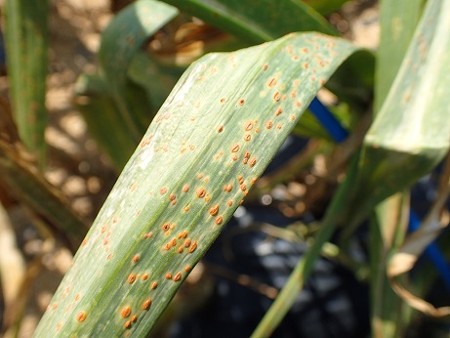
79 90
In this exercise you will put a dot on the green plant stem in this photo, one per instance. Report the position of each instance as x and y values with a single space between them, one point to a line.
304 267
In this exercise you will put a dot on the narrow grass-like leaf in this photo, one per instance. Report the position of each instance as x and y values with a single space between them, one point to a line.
411 133
398 21
256 21
26 45
212 138
121 40
93 99
23 180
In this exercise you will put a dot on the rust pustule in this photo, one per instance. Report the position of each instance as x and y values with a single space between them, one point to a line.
81 316
125 312
214 210
146 304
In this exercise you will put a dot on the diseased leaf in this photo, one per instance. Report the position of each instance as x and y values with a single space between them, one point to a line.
211 140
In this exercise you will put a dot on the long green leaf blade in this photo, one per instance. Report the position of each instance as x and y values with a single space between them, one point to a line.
26 45
398 20
256 21
121 41
211 140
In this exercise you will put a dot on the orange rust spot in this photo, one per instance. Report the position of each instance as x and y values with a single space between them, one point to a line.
252 162
177 277
229 203
187 268
146 304
145 276
134 318
248 126
131 278
186 208
173 242
277 96
214 210
254 179
207 198
185 188
241 102
243 187
201 192
235 148
172 197
200 176
126 311
222 100
109 257
166 227
278 111
220 129
245 160
240 179
187 243
168 275
306 65
265 66
292 117
234 158
77 297
272 82
154 285
298 104
127 324
183 234
247 137
227 187
136 258
193 247
84 242
81 316
180 249
279 126
269 124
148 235
163 190
247 155
219 220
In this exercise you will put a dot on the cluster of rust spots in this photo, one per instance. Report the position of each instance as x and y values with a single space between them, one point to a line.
81 316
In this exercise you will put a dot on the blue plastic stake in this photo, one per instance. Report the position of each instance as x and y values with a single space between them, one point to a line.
328 121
